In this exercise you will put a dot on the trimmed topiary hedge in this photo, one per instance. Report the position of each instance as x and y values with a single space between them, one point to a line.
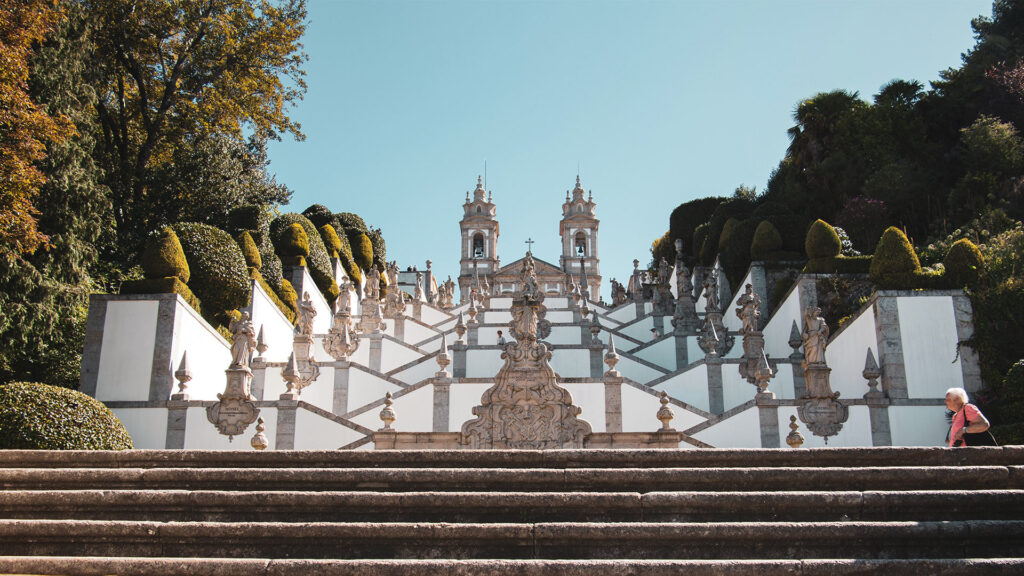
350 221
249 250
964 264
163 257
331 240
822 241
294 245
767 242
256 220
319 215
380 250
219 275
41 417
318 262
362 248
839 265
895 264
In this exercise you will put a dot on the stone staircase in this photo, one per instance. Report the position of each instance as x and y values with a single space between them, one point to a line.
824 511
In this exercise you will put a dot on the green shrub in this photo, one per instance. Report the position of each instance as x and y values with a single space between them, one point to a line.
350 221
317 261
41 417
734 248
700 236
380 251
163 257
220 278
362 248
687 218
166 285
294 244
319 215
782 286
256 220
249 250
964 263
288 295
822 241
895 265
331 240
767 241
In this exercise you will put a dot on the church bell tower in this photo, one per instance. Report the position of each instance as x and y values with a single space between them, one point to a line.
578 229
479 240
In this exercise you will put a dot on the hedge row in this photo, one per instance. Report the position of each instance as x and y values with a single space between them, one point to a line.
317 261
41 417
220 278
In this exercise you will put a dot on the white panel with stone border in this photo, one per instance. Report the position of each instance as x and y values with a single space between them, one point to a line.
200 434
776 332
740 431
364 388
639 330
624 313
394 355
690 387
413 412
277 330
636 371
735 389
856 430
126 356
846 353
640 412
929 338
662 354
571 363
589 397
918 425
483 363
564 335
314 432
462 399
209 355
146 426
420 371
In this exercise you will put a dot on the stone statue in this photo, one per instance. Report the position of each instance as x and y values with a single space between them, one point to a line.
815 336
749 310
683 284
418 294
711 289
306 312
393 273
618 293
373 284
664 271
242 341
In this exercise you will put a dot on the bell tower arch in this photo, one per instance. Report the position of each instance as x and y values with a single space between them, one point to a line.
479 239
578 229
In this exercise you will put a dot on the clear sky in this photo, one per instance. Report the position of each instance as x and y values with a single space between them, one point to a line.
655 102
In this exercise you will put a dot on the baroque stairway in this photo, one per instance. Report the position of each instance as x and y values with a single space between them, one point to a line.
636 512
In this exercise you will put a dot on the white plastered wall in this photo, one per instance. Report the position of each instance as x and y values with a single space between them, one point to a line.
856 430
662 353
918 425
740 431
570 363
735 389
414 412
314 432
640 412
929 338
690 387
277 330
394 355
462 398
200 434
483 363
209 355
777 331
845 355
590 399
146 426
126 355
636 371
365 388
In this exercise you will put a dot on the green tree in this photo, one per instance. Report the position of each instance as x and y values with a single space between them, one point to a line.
44 295
187 71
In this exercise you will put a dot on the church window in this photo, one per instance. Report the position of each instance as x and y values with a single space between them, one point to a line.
478 246
477 209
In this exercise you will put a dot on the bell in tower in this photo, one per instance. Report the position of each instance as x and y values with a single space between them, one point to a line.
578 229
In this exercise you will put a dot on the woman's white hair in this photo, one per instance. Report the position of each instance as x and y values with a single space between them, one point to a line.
958 393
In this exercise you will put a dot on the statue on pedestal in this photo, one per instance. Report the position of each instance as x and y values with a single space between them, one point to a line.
242 341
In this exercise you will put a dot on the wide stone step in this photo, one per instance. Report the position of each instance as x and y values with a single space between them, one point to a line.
298 506
522 480
714 458
491 567
727 540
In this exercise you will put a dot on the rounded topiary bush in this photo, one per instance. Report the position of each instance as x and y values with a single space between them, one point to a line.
331 240
767 241
319 215
41 417
288 294
317 261
163 257
350 221
294 243
362 249
249 250
256 220
822 241
380 251
894 258
220 278
964 263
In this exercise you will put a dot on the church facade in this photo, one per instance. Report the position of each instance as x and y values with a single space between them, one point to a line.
480 266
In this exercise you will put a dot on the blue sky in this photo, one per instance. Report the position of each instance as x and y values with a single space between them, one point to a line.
656 102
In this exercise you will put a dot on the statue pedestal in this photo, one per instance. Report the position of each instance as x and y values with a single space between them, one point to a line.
234 410
820 409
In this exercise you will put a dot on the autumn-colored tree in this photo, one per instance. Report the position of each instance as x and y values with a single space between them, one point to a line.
25 128
173 73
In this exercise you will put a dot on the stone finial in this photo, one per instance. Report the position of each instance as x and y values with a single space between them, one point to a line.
871 373
184 375
585 309
763 373
261 344
291 375
611 358
429 263
443 358
795 439
259 440
472 311
460 327
665 413
708 340
595 329
387 415
679 248
795 340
